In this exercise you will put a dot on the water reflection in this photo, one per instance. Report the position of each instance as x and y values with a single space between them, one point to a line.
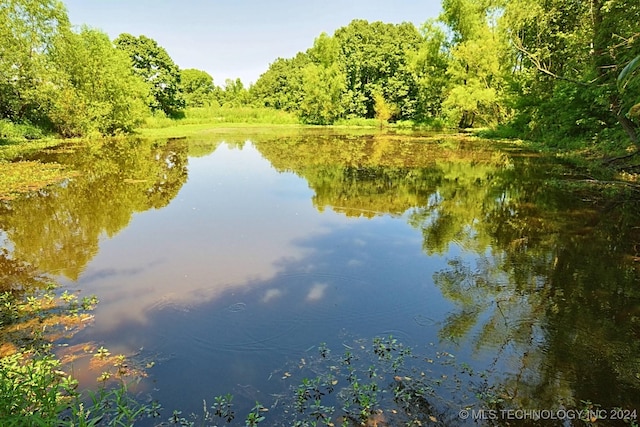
58 229
548 283
280 241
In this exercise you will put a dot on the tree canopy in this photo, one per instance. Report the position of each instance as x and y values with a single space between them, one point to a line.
101 94
547 70
28 32
154 65
197 87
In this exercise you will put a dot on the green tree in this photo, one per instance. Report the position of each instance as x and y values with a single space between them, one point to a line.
374 57
96 90
383 110
28 31
280 86
323 88
339 75
429 66
568 56
155 66
197 87
323 83
234 93
475 67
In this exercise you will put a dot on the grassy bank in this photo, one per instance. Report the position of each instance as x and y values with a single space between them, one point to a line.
197 120
202 120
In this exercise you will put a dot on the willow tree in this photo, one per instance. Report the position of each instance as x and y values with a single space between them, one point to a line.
429 66
477 63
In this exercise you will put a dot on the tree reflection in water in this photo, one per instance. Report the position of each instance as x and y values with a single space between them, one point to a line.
544 278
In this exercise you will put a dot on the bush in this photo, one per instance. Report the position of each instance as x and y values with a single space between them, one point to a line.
10 130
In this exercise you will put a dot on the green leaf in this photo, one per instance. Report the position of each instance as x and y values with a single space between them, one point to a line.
628 70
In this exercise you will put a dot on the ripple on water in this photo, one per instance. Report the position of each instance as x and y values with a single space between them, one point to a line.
237 307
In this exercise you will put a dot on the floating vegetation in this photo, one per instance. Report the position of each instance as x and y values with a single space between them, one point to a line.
35 387
378 382
24 177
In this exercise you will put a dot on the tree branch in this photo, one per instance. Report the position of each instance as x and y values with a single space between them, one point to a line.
542 68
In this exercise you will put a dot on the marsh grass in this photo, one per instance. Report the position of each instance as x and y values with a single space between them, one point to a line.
220 117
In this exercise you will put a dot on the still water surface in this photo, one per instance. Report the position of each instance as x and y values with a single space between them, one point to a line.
226 259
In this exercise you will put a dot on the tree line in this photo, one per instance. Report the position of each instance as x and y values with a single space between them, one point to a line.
539 69
76 82
542 69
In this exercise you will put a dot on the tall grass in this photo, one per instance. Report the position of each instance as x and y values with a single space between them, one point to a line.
222 116
357 122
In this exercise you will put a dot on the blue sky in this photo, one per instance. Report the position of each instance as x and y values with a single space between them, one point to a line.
230 39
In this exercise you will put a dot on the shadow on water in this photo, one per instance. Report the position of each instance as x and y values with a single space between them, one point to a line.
285 242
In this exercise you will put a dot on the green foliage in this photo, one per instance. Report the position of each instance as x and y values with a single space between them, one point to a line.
429 66
475 68
568 58
374 57
234 94
97 90
154 65
203 118
56 79
281 86
628 76
382 109
32 388
552 70
28 32
379 382
197 87
628 71
35 391
338 77
323 90
10 131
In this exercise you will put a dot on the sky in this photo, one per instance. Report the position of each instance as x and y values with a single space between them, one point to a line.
238 39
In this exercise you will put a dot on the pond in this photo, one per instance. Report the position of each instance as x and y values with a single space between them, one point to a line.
230 263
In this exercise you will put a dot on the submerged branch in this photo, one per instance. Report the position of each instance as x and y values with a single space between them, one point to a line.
615 159
634 186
